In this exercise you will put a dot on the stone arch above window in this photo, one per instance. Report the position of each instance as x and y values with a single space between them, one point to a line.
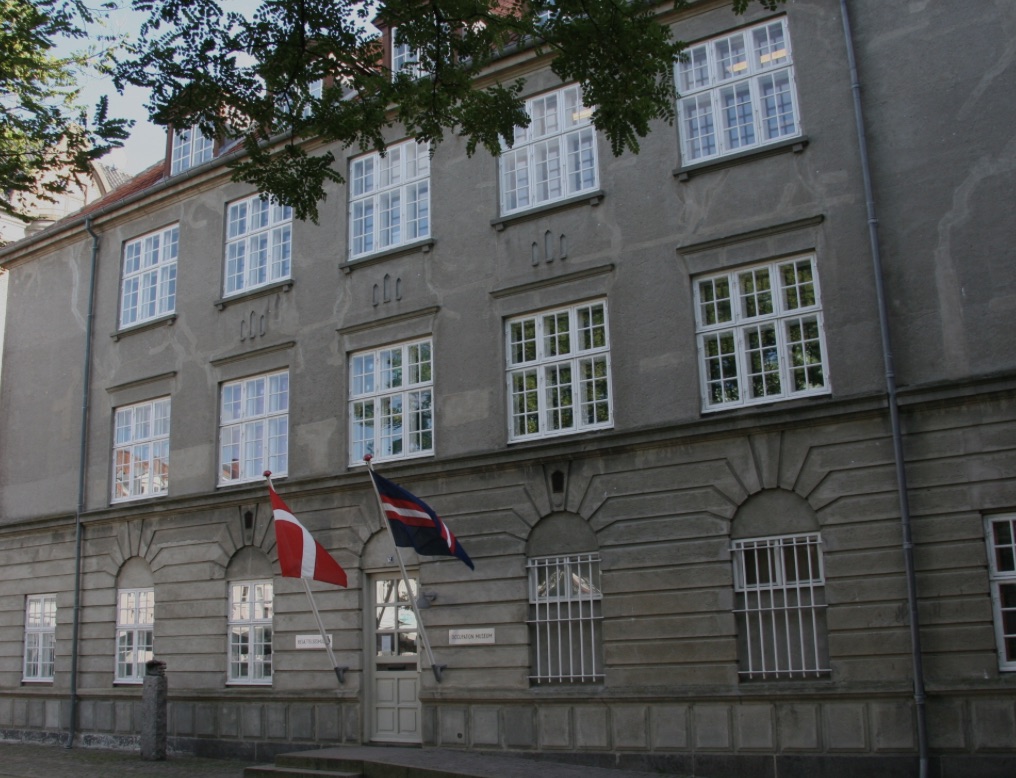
773 512
135 573
249 563
379 553
561 533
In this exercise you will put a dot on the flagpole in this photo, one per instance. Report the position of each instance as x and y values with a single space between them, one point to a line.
434 666
340 672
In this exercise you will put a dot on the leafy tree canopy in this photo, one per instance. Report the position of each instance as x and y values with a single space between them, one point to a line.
46 139
250 77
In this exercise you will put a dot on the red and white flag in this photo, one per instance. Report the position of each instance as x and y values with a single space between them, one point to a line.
300 556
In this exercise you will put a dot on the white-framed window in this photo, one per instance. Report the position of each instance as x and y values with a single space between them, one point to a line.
559 372
259 244
760 334
391 402
141 450
389 198
40 637
190 148
737 92
779 583
135 631
1001 537
565 618
148 288
405 59
552 159
254 428
250 632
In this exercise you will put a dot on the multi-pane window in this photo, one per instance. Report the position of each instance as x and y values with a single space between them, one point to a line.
250 632
135 620
190 148
389 198
780 607
259 238
395 626
565 618
1001 534
559 372
405 59
391 405
254 428
40 637
148 289
141 450
552 159
737 92
760 334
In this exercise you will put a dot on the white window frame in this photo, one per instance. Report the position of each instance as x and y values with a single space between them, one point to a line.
554 158
780 607
135 633
391 402
190 148
259 244
558 373
405 59
389 198
250 632
148 285
1000 534
40 638
254 427
141 450
760 334
565 620
737 92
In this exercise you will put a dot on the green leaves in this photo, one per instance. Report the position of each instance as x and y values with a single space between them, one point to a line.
251 77
46 138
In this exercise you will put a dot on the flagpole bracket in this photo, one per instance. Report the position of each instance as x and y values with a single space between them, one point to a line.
340 673
438 671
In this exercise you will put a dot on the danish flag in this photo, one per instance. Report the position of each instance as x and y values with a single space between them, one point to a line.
300 556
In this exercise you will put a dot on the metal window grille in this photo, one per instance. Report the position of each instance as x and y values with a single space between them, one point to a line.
565 619
780 587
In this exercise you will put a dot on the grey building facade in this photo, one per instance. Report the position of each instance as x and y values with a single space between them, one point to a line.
647 393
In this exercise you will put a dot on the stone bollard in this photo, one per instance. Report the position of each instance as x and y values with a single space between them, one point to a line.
153 712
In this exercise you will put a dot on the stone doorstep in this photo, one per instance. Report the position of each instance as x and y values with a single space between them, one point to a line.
396 762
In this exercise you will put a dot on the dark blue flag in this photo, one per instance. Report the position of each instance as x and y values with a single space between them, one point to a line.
414 523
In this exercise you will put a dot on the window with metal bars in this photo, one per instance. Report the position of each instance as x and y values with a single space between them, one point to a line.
780 607
565 619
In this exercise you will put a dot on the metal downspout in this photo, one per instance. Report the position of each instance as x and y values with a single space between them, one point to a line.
82 460
917 661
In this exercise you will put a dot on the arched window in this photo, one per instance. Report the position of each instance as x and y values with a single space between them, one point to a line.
251 606
565 602
135 620
779 585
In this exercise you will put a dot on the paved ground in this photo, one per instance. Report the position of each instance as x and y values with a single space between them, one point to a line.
38 761
18 760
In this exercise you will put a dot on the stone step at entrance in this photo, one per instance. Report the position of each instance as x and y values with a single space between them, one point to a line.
400 762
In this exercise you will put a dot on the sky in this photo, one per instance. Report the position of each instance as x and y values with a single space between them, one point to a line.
147 143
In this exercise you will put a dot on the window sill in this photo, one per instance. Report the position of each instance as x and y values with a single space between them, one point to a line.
422 246
121 501
253 294
593 198
795 145
163 321
797 400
